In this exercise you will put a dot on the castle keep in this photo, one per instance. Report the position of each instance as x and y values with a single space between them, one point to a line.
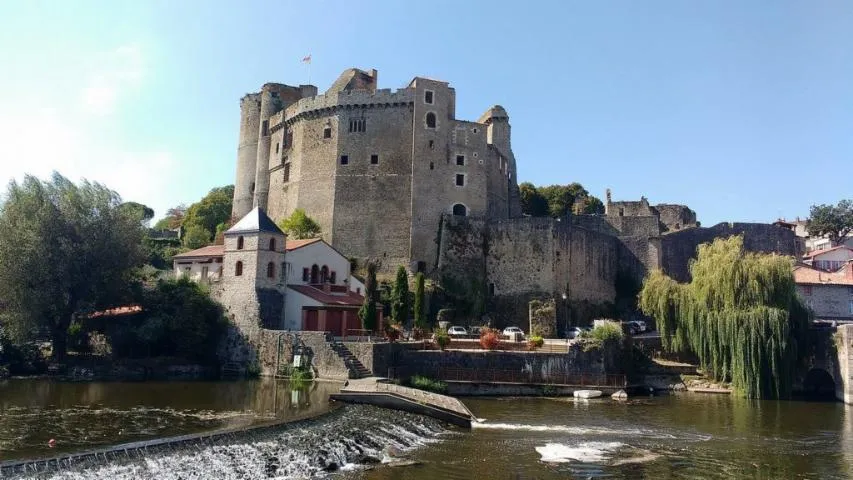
375 168
395 176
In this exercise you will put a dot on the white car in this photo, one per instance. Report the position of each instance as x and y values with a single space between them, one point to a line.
457 331
510 331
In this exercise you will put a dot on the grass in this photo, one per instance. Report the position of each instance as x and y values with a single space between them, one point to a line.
428 384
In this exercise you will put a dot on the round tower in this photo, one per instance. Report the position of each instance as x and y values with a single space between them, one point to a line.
270 105
247 155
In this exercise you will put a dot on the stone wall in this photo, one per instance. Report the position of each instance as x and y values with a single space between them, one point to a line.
275 347
844 349
678 248
828 301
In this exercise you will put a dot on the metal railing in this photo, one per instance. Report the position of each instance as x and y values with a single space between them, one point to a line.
535 377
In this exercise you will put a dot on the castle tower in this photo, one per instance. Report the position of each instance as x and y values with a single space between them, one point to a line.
254 273
247 154
270 104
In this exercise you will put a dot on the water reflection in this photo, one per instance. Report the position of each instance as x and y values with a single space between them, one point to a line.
87 415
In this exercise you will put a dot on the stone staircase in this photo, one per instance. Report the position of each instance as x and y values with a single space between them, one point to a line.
355 367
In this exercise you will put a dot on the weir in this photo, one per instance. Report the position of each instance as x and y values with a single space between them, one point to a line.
346 438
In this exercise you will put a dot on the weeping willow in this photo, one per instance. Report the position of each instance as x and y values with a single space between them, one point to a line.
739 314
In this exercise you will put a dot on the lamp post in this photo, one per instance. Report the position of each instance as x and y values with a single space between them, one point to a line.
566 307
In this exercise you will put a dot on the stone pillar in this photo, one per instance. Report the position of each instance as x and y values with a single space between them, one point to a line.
543 318
844 348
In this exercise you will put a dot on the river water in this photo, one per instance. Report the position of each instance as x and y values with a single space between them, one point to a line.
679 436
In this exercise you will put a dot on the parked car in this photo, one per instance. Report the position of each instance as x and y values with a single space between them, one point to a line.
574 332
513 332
457 331
633 327
475 330
641 325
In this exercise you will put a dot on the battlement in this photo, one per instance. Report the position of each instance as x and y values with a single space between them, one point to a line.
348 98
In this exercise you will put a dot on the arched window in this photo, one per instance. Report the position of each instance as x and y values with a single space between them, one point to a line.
270 270
240 242
315 273
238 268
333 277
324 274
272 244
430 120
460 210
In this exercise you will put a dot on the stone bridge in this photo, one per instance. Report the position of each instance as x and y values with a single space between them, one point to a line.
829 369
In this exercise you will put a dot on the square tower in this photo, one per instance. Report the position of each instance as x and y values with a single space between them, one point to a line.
253 273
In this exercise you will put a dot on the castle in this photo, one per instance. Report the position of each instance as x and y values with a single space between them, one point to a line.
394 176
375 168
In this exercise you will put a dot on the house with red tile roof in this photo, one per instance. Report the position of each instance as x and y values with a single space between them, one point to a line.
829 260
321 293
828 294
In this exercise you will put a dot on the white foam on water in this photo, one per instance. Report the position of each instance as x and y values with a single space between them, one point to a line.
587 452
565 429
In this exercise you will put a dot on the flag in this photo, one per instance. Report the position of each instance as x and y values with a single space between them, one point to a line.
306 59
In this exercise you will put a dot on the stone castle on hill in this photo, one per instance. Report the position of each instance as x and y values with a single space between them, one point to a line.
375 168
395 176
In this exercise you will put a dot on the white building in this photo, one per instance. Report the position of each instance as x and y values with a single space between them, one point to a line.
829 260
321 292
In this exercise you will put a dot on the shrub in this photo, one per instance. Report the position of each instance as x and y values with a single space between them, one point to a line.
442 339
604 333
535 342
428 384
78 338
489 339
300 376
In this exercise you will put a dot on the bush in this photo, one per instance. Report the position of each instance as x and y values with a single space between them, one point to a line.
442 339
78 338
489 339
428 384
535 342
604 333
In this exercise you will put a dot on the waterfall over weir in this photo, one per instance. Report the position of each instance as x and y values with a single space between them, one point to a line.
348 438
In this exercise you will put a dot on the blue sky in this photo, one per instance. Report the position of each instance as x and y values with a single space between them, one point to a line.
741 110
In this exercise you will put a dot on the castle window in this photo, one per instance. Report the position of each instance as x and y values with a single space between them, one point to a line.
240 242
460 210
306 274
286 172
474 130
374 159
271 270
315 273
272 244
327 132
428 94
276 147
430 120
265 128
357 125
460 179
324 274
238 269
344 159
253 188
333 277
460 160
431 145
431 166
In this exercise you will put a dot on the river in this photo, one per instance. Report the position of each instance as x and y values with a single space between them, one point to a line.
678 436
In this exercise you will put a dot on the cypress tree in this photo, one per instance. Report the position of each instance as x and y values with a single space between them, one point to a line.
739 314
420 314
367 312
400 297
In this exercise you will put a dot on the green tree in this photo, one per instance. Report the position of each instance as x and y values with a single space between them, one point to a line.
834 221
299 225
420 313
173 219
367 312
65 250
532 202
143 212
593 206
210 211
560 199
739 314
196 236
400 297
